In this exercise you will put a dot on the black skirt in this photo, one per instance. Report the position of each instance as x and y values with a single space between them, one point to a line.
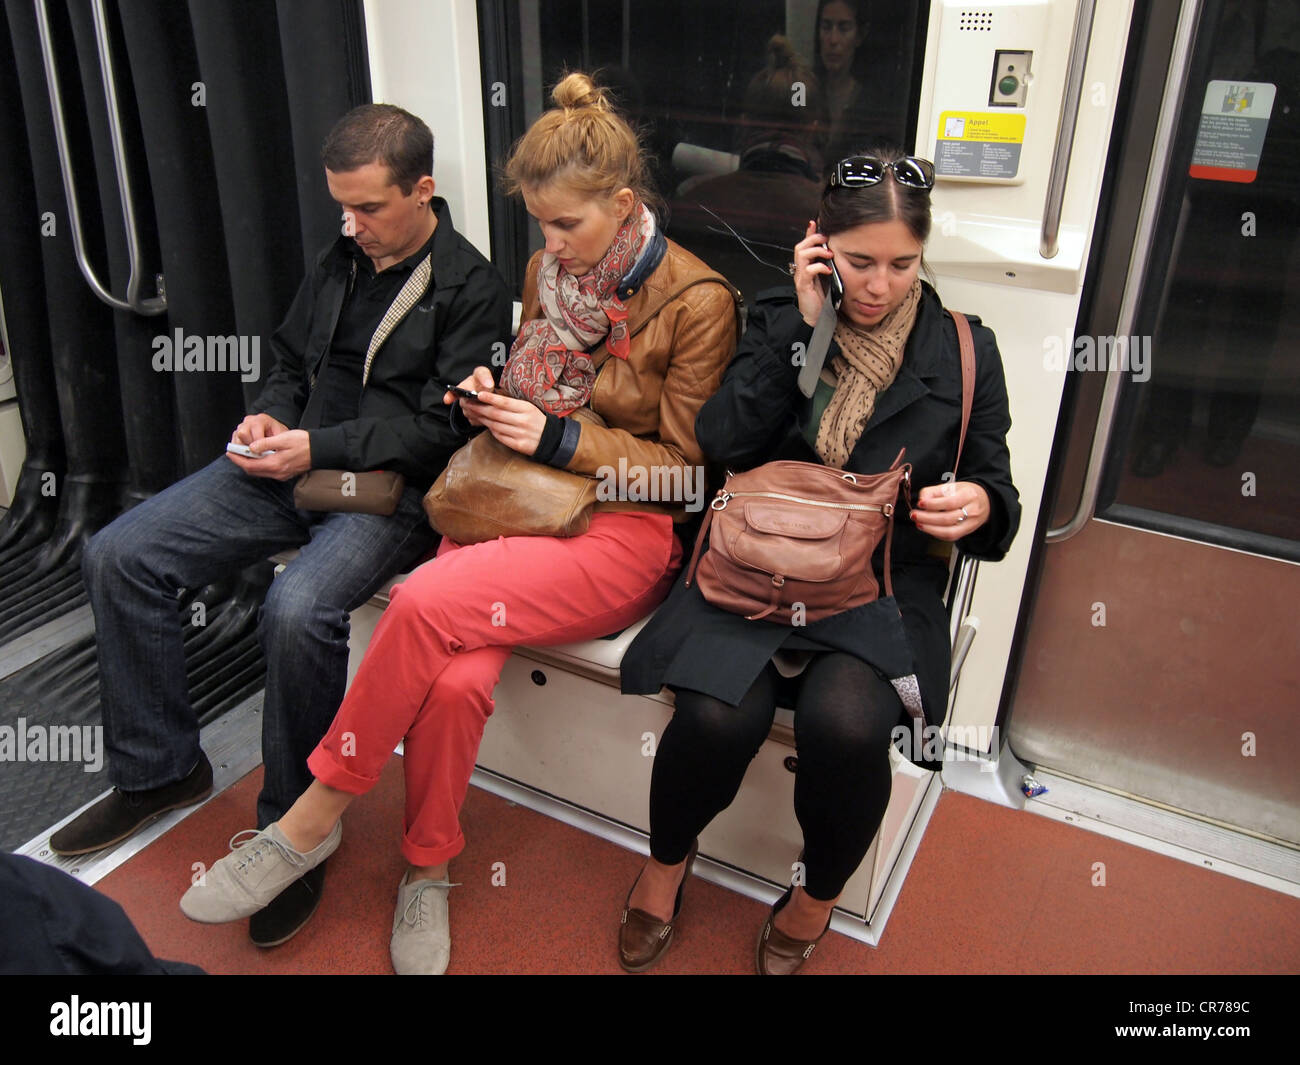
689 643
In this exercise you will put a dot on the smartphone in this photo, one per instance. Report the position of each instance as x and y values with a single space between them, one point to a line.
834 285
247 452
465 393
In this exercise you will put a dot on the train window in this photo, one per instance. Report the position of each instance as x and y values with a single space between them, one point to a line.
1212 434
741 103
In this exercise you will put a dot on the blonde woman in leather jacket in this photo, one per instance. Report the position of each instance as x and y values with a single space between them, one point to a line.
607 280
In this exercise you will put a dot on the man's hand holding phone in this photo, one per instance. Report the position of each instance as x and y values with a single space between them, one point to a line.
281 452
814 272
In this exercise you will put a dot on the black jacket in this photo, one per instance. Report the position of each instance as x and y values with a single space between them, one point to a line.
401 422
52 924
755 417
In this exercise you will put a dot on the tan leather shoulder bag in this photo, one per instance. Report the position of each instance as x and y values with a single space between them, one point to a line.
793 541
489 490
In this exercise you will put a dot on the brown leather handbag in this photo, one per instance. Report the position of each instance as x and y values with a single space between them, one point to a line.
369 492
793 541
489 490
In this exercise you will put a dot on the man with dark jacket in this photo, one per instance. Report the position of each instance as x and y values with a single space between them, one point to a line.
397 305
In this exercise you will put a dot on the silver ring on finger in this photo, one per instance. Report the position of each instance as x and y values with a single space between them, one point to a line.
964 515
790 267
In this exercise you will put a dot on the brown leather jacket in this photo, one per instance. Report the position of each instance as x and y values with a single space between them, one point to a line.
685 323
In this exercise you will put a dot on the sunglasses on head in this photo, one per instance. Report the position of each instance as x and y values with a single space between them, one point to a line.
858 171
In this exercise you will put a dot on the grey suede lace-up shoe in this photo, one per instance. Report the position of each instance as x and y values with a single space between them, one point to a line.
421 943
254 872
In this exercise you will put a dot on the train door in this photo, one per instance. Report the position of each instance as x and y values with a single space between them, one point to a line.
1159 660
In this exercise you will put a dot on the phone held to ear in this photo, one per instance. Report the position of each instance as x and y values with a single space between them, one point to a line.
833 284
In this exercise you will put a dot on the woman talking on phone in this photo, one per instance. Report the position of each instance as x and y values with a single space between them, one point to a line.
892 378
619 321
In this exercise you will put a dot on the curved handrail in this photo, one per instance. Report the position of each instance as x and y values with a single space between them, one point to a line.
962 626
133 302
1151 194
1049 241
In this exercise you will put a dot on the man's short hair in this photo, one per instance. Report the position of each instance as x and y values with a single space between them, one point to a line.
381 133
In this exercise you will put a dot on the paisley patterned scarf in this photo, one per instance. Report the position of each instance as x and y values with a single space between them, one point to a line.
548 363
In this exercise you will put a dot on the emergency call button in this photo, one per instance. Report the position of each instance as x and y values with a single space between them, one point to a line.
1011 78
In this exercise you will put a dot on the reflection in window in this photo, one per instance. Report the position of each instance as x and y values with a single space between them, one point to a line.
742 105
1216 436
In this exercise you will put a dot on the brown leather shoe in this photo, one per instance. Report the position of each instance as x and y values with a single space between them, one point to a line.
120 813
777 953
642 937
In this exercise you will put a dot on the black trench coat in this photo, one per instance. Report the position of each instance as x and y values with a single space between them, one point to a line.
756 417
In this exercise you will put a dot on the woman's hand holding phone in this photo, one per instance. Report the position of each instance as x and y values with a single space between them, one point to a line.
468 389
515 422
812 273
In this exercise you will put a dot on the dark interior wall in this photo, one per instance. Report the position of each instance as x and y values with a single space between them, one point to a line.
223 108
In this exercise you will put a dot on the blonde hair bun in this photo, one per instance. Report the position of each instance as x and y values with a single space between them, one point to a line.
577 90
583 142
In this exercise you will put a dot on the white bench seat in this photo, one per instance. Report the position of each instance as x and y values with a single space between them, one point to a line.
563 731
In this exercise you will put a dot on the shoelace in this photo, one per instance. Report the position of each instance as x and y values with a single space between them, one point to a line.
251 853
414 914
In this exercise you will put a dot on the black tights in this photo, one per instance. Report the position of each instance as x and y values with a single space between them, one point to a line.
844 713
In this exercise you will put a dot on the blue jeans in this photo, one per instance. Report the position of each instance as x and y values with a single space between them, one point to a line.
200 529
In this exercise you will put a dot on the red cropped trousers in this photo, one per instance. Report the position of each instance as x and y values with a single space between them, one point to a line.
438 651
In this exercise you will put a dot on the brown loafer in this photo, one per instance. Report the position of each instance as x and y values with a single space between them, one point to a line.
777 953
642 937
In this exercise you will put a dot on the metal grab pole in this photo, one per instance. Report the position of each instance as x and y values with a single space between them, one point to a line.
1049 243
133 302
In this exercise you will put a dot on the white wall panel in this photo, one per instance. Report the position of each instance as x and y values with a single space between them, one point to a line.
425 57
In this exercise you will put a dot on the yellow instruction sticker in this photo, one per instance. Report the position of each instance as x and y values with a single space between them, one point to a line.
979 144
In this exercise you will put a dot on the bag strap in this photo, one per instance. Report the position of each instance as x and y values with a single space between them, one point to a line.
889 543
601 352
410 294
967 343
